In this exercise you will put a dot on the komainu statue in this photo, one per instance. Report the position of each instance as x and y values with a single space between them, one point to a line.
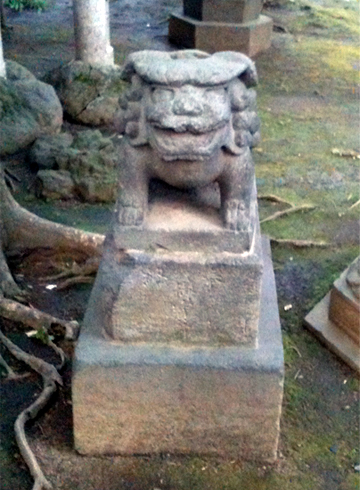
189 119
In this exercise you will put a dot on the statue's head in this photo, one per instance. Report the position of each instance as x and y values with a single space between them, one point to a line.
188 104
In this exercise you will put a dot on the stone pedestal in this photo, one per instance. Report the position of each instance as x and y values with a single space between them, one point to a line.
181 348
176 397
180 278
241 30
336 319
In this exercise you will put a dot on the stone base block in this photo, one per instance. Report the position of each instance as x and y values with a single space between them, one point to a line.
250 37
344 308
335 320
146 398
187 281
317 321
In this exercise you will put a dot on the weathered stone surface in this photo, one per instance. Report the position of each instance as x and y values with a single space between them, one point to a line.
15 72
336 319
48 150
177 296
89 93
344 308
178 278
251 37
89 158
160 398
230 11
51 184
178 122
28 109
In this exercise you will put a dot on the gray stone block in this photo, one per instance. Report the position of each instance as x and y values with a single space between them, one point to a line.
136 398
193 282
335 320
223 10
250 37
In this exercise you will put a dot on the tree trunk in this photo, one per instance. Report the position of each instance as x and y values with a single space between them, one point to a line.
2 61
92 32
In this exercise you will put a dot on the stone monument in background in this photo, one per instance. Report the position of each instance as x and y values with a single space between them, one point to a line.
181 349
220 25
335 320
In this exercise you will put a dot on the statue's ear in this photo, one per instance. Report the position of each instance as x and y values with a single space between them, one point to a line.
249 77
128 69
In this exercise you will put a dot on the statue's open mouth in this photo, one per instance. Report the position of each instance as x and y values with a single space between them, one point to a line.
173 145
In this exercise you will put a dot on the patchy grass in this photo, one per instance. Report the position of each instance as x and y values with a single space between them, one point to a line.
318 66
333 22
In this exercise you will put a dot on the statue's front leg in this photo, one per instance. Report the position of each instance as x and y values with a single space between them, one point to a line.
236 184
236 215
132 198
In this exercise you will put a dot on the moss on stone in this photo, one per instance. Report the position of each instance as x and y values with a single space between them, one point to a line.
10 99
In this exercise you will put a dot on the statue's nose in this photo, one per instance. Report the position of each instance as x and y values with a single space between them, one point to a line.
186 105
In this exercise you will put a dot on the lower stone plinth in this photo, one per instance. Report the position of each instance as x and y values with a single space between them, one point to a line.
250 37
148 398
335 320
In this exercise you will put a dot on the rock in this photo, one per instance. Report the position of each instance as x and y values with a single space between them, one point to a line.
89 159
101 111
88 93
94 167
90 189
92 140
28 109
46 151
54 184
14 71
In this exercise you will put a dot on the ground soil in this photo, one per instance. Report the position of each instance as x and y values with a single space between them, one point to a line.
319 441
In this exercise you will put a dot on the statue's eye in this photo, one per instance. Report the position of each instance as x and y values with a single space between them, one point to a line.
159 94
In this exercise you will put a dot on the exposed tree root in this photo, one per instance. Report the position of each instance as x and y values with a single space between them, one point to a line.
68 283
11 375
32 317
75 274
40 482
299 243
355 204
51 378
274 198
90 267
286 212
4 364
21 231
8 286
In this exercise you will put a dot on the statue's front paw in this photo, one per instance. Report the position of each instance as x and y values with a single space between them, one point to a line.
130 216
236 216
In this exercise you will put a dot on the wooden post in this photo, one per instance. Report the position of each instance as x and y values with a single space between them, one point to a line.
2 61
92 32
